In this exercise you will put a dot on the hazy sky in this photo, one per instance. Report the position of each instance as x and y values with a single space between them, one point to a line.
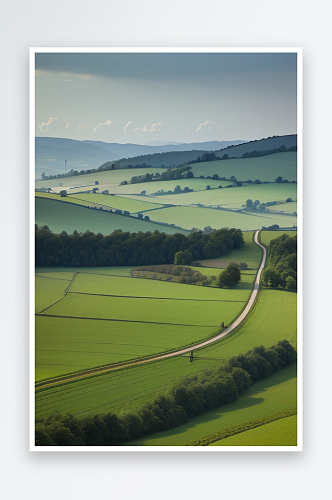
146 97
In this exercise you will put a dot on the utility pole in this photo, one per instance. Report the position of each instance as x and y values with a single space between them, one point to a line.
191 356
65 166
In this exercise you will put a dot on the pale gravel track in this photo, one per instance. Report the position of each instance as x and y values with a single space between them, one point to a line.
180 352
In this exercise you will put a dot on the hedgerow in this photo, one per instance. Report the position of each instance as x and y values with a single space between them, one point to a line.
187 398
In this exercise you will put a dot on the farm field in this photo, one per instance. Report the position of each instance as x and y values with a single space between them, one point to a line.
273 395
282 432
267 236
137 308
290 207
69 217
234 197
250 254
117 202
189 217
133 386
109 177
264 168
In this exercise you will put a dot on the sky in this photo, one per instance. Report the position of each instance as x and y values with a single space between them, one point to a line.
149 98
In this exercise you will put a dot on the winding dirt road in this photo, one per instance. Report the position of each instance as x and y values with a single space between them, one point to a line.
225 332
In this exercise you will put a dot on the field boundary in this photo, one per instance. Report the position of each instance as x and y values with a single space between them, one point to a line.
239 429
178 352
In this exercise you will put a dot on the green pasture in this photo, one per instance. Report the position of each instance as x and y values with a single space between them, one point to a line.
290 207
250 253
66 345
273 395
68 272
57 197
234 197
281 432
189 217
167 311
136 287
116 202
267 236
264 168
87 181
70 217
48 291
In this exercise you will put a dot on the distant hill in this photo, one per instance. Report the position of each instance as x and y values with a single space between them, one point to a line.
51 153
260 145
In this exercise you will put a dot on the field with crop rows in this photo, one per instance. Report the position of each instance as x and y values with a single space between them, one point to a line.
282 432
132 386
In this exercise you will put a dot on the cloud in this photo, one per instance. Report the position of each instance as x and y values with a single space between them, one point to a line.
80 126
155 127
129 127
67 125
107 123
208 125
50 120
67 80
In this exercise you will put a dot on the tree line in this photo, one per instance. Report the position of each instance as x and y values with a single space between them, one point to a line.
282 265
255 153
184 400
129 249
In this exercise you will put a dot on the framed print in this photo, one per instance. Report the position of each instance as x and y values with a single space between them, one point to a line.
166 249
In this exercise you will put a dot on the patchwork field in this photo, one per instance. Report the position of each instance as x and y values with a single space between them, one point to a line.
264 168
107 316
189 217
133 386
234 197
69 217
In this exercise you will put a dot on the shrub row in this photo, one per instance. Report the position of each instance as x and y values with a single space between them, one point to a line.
186 399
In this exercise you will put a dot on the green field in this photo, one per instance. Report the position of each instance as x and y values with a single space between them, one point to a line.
189 217
87 181
250 254
116 202
131 387
234 197
282 432
290 207
271 396
69 217
49 290
264 168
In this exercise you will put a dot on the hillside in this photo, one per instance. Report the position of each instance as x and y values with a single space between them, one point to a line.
51 153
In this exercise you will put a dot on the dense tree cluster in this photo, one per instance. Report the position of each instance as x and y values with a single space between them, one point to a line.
185 399
230 276
130 249
282 266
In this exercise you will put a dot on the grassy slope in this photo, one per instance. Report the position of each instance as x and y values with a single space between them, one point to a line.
264 168
282 432
113 177
233 197
270 396
119 202
189 217
69 217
